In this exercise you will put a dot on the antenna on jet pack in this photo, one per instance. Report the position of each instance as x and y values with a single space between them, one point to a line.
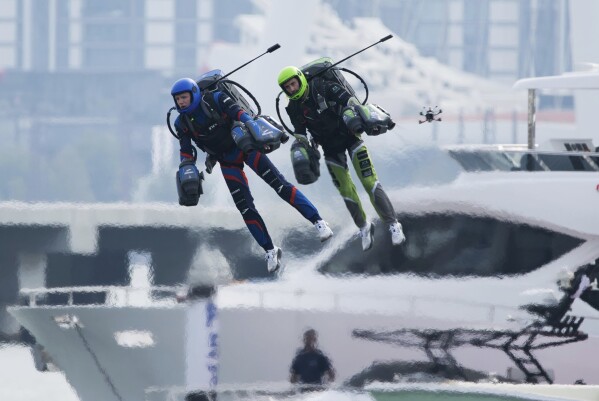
350 56
271 49
430 115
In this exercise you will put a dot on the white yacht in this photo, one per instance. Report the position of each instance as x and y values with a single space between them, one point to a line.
474 256
487 244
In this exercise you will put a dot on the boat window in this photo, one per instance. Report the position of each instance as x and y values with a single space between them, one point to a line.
566 163
530 162
498 160
455 245
483 160
53 299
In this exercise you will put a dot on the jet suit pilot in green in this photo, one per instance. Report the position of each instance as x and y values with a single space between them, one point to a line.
319 108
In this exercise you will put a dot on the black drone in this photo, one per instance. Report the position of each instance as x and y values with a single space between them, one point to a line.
430 115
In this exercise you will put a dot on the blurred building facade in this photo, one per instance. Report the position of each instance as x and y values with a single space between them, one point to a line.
95 75
72 35
496 39
502 40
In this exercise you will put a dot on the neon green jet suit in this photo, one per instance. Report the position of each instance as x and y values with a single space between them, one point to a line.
336 120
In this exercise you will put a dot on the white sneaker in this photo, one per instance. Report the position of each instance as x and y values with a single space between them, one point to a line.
397 235
273 259
324 231
367 234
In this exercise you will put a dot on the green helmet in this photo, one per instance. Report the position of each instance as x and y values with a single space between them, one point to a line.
288 73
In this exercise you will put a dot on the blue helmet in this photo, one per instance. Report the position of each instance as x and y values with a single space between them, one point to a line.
187 85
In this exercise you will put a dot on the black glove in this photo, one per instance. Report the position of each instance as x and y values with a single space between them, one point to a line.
189 183
352 119
302 139
210 163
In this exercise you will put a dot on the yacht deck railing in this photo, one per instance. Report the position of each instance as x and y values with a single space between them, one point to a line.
102 295
279 299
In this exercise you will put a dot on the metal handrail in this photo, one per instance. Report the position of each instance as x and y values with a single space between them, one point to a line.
334 301
34 293
330 301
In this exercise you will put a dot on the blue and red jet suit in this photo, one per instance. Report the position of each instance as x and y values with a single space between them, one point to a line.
213 136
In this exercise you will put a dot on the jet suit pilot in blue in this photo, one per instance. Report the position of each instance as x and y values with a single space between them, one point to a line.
209 126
